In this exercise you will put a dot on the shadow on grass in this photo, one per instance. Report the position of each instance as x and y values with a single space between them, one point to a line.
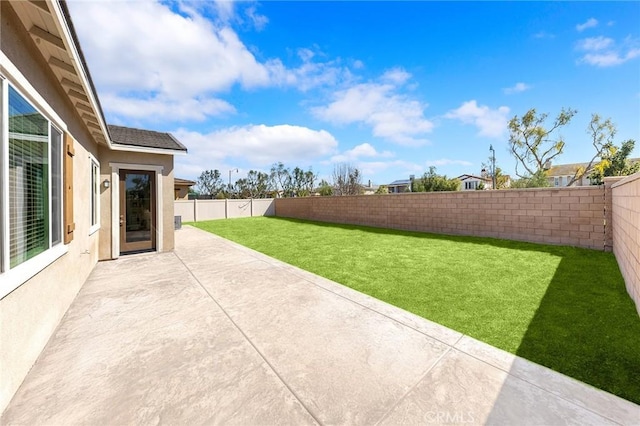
585 325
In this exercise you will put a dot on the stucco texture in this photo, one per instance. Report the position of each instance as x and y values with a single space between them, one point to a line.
31 313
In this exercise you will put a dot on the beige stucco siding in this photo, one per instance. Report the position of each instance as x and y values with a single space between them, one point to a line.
31 313
108 156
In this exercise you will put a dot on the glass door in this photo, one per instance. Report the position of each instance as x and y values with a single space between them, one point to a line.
137 211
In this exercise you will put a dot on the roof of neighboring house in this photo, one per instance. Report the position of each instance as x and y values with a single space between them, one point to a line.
144 138
178 181
400 182
566 169
465 177
570 169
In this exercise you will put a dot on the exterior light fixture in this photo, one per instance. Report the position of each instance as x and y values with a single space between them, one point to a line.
106 183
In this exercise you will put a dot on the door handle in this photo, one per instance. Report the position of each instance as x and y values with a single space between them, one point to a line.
121 220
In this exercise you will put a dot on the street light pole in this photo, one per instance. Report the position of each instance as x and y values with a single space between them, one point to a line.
493 166
232 170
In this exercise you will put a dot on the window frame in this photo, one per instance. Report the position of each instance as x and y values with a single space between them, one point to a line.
12 278
94 195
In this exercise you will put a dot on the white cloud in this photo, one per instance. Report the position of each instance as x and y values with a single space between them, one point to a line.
589 23
595 43
396 76
490 122
259 145
391 114
358 152
603 52
358 64
447 162
259 21
543 34
517 88
163 109
310 74
609 59
143 50
145 53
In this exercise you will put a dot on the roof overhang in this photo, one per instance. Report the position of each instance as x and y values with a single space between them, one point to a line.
48 25
146 150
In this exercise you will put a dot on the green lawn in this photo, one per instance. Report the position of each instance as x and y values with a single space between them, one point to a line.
562 307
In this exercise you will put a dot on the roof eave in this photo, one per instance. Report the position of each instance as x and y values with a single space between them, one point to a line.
146 150
63 21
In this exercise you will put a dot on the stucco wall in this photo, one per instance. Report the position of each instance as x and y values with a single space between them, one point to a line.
31 313
571 216
625 221
107 156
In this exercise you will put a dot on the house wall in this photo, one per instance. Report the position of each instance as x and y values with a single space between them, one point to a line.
107 156
571 216
625 227
181 192
30 314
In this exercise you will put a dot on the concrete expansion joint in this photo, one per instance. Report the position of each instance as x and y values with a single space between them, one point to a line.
415 385
255 348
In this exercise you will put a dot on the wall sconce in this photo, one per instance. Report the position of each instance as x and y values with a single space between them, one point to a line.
106 183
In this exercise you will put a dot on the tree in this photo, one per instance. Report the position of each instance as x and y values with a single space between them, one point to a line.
537 180
382 189
532 144
602 134
281 177
256 185
309 181
431 182
325 189
615 163
502 180
210 183
347 179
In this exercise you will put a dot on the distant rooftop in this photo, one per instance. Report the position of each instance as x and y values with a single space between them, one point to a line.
144 138
178 181
400 182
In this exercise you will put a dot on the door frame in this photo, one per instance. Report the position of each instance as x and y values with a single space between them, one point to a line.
115 203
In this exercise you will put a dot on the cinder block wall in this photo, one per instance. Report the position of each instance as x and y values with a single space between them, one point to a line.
625 227
569 216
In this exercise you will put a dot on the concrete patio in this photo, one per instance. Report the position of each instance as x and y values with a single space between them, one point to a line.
215 333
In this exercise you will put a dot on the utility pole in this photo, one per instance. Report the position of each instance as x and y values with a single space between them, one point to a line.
232 170
493 166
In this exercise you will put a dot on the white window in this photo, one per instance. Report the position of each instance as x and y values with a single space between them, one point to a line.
556 181
31 186
95 196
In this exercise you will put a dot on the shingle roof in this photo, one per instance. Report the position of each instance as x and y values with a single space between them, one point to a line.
464 177
400 182
144 138
565 169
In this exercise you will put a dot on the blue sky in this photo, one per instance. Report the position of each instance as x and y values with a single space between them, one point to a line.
390 87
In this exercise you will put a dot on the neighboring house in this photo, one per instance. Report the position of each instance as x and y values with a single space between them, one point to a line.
73 190
398 186
181 188
472 182
562 174
369 189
